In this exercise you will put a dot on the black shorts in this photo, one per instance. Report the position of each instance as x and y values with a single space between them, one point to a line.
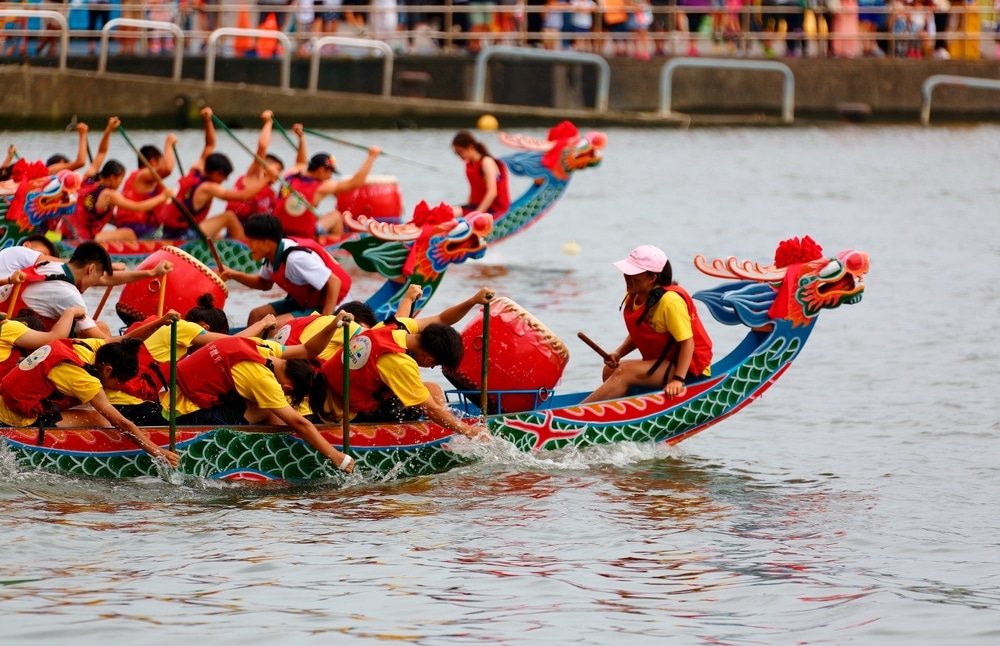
144 414
391 410
228 414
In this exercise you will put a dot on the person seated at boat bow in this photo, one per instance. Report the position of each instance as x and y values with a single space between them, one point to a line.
238 381
300 266
663 324
66 373
488 187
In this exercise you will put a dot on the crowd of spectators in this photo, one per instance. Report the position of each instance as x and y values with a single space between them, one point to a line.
638 28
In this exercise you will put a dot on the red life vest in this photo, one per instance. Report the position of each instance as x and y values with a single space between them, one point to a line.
307 296
262 202
153 375
170 215
291 332
297 219
477 187
31 275
87 220
28 392
653 345
206 376
367 388
125 216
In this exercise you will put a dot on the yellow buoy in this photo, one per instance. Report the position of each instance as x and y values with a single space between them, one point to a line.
571 248
488 122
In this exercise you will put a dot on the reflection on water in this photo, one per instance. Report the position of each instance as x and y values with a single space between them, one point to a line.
850 504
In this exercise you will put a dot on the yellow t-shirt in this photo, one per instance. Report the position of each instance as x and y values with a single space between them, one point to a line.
398 371
10 332
336 341
254 382
670 315
68 378
158 345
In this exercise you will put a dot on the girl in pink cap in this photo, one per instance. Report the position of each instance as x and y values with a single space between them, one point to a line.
662 324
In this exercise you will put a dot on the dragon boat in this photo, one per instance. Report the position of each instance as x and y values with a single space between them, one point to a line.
778 303
549 165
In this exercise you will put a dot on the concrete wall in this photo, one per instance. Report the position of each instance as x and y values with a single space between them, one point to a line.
436 91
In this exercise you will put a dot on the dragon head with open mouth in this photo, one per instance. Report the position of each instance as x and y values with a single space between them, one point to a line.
803 279
418 252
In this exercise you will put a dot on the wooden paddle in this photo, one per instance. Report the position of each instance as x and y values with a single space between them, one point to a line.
180 204
104 300
484 392
596 348
346 417
173 382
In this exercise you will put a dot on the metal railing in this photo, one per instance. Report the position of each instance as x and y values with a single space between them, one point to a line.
524 53
51 15
388 58
224 32
102 62
788 94
931 82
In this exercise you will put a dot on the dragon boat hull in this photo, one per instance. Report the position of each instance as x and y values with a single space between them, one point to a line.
779 305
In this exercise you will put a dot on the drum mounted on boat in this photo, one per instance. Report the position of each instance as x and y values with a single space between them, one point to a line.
523 355
184 285
378 198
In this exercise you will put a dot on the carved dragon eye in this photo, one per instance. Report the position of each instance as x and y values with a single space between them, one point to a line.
832 269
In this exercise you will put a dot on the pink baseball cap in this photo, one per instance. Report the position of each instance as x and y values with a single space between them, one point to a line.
644 258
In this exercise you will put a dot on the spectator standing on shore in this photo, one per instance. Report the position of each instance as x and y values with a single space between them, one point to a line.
161 40
695 11
552 24
581 21
616 24
306 25
98 15
640 17
871 21
844 29
941 11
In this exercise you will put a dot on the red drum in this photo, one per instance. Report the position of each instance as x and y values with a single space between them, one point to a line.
185 284
523 355
379 198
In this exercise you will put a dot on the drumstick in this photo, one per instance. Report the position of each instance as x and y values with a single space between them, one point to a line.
163 295
104 299
596 348
180 204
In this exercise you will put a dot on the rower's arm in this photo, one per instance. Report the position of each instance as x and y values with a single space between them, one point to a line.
456 313
316 344
131 431
440 414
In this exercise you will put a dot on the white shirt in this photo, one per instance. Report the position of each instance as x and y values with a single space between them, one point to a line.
14 258
50 298
304 268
